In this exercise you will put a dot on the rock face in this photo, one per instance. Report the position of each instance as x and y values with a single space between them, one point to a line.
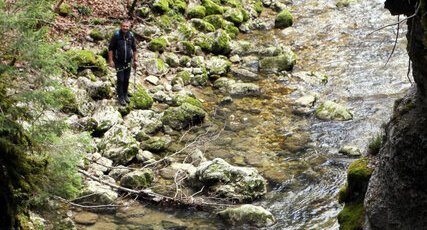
225 180
397 192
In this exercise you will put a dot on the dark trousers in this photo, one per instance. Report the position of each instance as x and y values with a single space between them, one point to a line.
123 75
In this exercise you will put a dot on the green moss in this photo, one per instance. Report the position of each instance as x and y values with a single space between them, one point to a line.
196 11
143 12
138 179
187 31
155 144
258 6
161 6
84 10
202 25
178 5
169 21
221 44
85 59
232 30
141 99
212 7
188 48
98 21
352 216
358 175
245 14
96 35
234 15
232 3
216 20
181 99
200 80
158 44
343 194
283 20
65 9
205 42
279 63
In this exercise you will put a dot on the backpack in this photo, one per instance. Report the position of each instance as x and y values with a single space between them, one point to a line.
123 52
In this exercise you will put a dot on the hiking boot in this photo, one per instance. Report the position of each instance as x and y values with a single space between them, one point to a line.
127 99
122 102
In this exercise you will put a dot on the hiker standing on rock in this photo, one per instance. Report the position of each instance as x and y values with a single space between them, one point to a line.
122 55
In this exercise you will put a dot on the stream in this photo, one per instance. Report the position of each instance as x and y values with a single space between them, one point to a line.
298 154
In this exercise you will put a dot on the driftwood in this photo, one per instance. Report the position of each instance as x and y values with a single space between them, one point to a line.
148 195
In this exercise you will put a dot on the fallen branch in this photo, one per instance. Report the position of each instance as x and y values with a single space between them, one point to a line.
148 195
105 206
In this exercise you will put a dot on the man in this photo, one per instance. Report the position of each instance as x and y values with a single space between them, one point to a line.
121 52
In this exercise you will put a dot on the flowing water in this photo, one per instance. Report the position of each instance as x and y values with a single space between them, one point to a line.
299 154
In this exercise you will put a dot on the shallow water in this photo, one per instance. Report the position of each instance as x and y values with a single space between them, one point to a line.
299 155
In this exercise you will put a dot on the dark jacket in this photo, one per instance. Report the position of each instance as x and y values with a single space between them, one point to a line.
123 46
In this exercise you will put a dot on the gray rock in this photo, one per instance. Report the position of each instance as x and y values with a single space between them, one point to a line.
276 64
117 172
152 80
248 214
156 144
107 117
225 180
99 194
197 157
304 105
96 89
235 58
251 63
171 59
244 74
119 145
244 89
330 110
350 150
143 120
144 156
155 66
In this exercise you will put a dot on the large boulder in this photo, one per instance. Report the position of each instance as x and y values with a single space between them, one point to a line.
100 194
225 180
138 179
107 117
330 110
248 214
183 116
119 145
143 120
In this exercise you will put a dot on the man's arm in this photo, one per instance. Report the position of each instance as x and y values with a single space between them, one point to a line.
135 53
111 47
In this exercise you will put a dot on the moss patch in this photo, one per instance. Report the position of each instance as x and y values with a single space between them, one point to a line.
188 48
65 9
161 6
212 7
197 11
283 20
96 35
141 99
157 44
86 59
179 100
183 116
221 44
352 216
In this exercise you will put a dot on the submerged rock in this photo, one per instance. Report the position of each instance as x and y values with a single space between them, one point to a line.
225 180
248 214
276 64
330 110
86 218
183 116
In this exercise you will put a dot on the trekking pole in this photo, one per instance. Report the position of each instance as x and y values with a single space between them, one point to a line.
134 82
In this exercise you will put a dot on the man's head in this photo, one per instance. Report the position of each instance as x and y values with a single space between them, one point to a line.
125 26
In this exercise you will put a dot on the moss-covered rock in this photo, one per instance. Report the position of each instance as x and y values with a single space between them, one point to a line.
234 15
183 76
248 214
283 20
96 35
221 44
188 48
65 9
140 99
216 20
330 110
258 6
171 59
212 7
184 61
218 66
118 145
196 11
352 216
181 99
202 25
358 176
139 179
183 116
158 44
232 30
86 59
143 12
156 66
161 6
276 64
155 144
178 5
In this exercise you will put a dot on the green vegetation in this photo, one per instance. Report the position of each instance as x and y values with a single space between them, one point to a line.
65 10
374 145
158 44
96 35
188 48
212 7
179 100
161 6
86 59
83 10
352 216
